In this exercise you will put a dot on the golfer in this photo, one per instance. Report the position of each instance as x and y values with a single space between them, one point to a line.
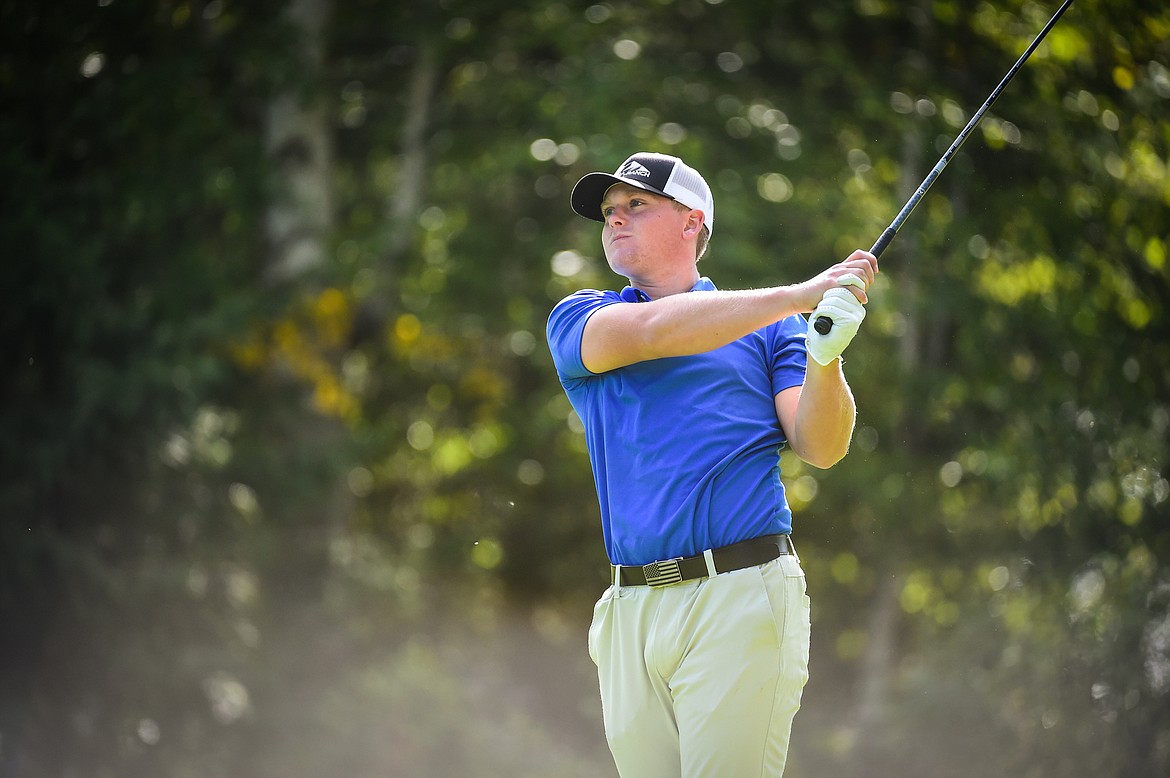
688 394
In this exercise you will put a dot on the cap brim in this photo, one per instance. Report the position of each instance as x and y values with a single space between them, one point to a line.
590 191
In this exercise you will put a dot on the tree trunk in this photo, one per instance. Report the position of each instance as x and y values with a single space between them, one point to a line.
404 201
298 137
876 663
406 195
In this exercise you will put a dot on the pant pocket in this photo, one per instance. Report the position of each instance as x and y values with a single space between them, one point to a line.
600 614
798 624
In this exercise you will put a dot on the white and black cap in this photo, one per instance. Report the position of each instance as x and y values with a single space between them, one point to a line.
659 173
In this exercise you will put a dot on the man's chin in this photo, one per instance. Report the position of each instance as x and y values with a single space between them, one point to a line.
620 261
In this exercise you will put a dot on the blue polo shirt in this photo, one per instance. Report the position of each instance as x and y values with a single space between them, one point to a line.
685 450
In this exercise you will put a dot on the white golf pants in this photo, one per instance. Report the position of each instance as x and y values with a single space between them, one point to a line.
702 679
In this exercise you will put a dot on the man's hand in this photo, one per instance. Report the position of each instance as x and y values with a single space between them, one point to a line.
856 272
846 311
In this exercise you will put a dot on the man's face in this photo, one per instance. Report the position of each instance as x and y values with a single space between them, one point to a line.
641 228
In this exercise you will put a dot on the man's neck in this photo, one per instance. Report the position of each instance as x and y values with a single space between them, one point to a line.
656 288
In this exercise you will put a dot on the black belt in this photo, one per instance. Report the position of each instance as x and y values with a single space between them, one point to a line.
746 553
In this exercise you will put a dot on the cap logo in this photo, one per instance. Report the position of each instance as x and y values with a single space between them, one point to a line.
633 168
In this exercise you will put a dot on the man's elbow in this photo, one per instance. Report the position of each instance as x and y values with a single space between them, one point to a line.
823 457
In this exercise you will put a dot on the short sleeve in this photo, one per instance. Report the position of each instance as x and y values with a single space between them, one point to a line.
789 352
566 325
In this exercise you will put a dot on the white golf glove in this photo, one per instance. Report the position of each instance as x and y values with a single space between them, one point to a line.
846 311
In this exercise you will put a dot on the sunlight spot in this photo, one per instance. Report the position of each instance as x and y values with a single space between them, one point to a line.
243 499
1160 77
1156 642
487 553
845 568
484 442
858 161
627 49
1087 590
543 149
729 62
567 263
530 472
866 439
953 113
360 481
459 28
243 587
901 102
93 64
803 490
950 474
915 594
567 154
1123 77
522 343
596 14
228 697
998 578
672 133
149 732
420 435
407 328
774 187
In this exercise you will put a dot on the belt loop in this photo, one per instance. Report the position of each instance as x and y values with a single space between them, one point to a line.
792 548
617 579
709 558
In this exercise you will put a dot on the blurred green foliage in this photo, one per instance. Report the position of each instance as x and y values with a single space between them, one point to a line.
343 521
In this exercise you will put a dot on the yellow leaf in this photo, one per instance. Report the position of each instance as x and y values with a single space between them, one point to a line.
407 329
1123 77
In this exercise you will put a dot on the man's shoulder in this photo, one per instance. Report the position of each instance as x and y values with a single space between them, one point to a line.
582 301
566 325
590 294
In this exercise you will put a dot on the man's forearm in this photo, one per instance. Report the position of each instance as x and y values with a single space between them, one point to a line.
698 322
683 324
825 415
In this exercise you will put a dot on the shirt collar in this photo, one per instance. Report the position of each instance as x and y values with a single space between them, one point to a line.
633 295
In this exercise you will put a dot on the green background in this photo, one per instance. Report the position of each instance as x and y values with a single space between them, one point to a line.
288 486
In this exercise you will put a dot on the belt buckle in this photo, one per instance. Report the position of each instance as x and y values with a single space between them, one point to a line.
663 573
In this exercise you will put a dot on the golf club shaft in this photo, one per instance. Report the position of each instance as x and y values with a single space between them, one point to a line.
824 324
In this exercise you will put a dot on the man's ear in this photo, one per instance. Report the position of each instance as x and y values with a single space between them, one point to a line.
694 223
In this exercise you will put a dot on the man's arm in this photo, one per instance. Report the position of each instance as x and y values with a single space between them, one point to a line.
679 325
694 323
818 417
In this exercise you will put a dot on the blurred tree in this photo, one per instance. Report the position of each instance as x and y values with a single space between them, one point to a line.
134 190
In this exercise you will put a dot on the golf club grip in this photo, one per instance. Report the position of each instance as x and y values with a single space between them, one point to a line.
824 324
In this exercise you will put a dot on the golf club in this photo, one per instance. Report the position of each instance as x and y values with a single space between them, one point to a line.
824 324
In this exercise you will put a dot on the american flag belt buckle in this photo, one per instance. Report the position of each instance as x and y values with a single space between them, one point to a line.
663 573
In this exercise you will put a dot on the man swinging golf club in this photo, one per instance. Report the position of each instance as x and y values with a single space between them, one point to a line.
687 394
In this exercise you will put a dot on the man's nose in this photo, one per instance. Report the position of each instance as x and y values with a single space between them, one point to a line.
616 218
